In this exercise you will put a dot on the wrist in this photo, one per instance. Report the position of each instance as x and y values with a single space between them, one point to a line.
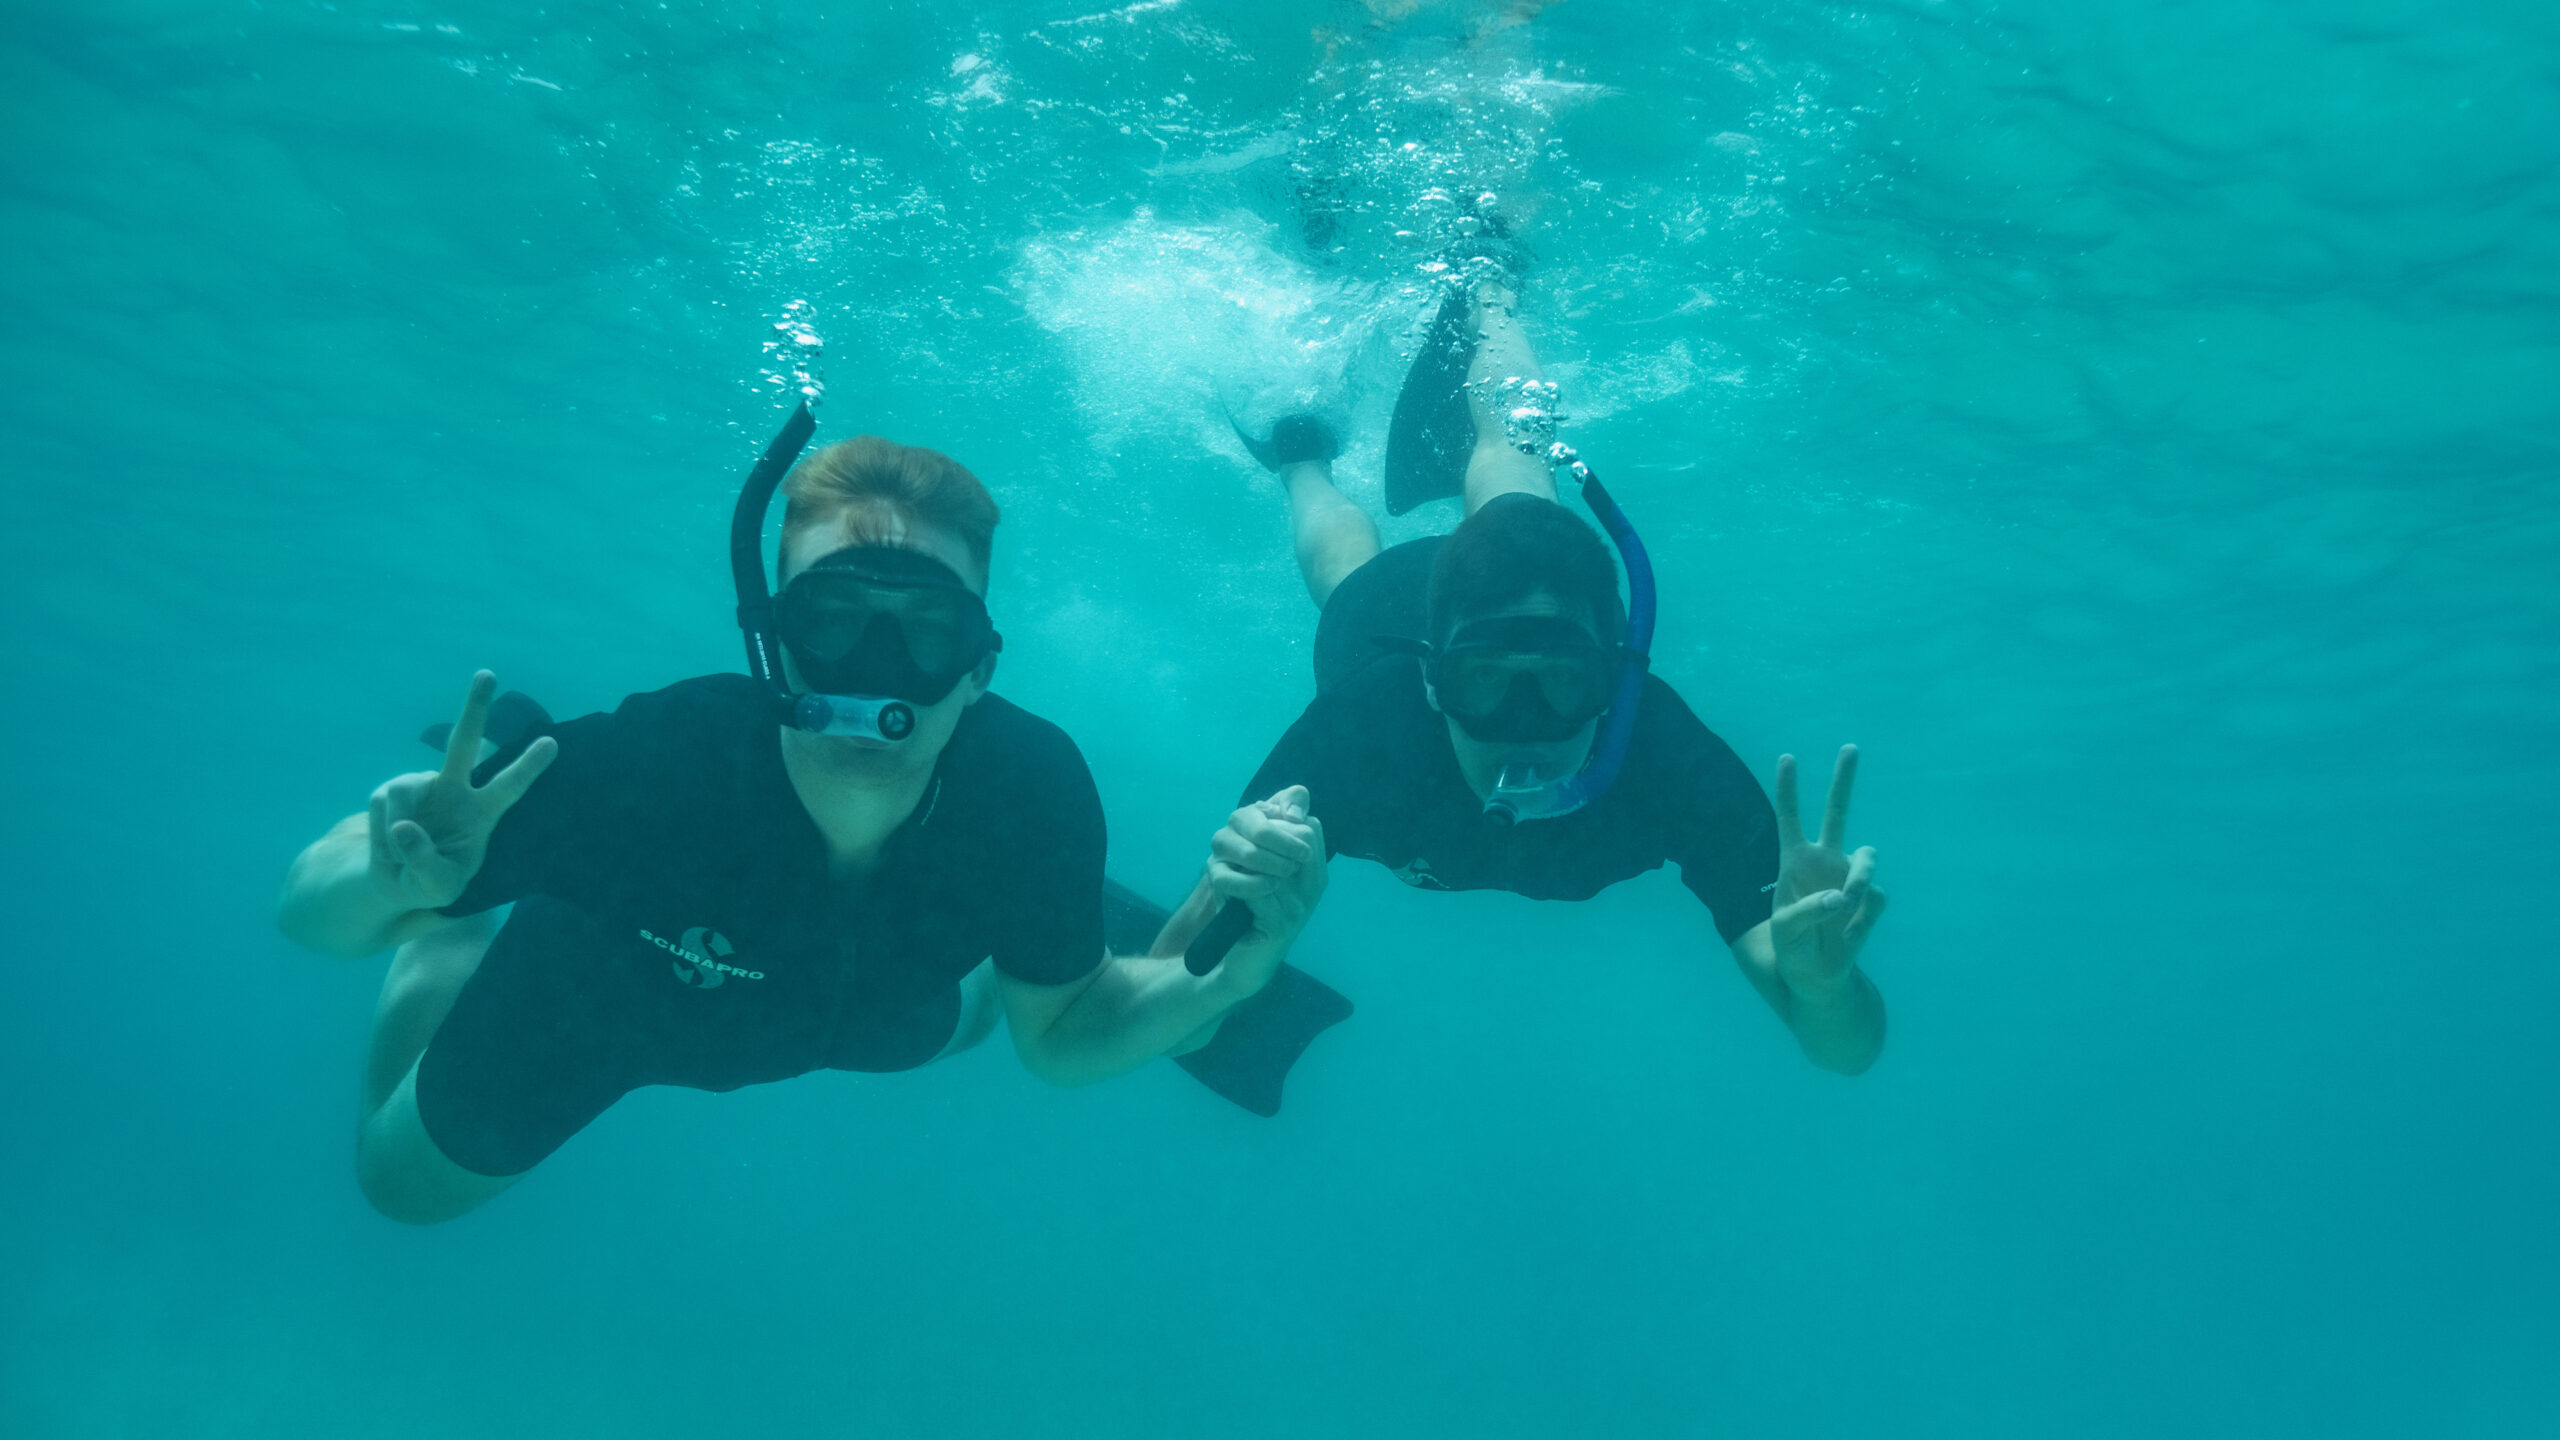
1239 977
1816 993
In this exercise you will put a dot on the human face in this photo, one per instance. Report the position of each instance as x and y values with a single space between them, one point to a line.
1481 762
934 722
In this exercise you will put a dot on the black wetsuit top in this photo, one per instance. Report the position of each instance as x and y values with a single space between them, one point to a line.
675 923
1377 762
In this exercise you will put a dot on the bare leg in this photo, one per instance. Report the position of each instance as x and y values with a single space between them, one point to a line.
1334 537
397 1164
1502 353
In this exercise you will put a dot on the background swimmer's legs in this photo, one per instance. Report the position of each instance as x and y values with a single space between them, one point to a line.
398 1166
1334 537
1502 353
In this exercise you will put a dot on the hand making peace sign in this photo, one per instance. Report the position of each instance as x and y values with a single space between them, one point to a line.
430 829
1826 901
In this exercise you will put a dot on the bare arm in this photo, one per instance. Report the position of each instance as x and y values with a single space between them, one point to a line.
380 878
335 902
1840 1027
1133 1008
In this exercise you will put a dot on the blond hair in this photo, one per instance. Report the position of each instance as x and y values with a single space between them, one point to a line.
869 474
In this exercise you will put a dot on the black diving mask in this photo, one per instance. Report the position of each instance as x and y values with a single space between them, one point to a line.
878 620
1523 679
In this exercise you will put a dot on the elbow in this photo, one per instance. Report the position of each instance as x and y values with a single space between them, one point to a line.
306 924
294 922
1850 1066
1853 1059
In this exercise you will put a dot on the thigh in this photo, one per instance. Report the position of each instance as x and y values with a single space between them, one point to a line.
405 1174
417 993
545 1036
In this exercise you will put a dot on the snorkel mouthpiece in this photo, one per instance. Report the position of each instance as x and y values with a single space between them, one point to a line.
867 717
1518 794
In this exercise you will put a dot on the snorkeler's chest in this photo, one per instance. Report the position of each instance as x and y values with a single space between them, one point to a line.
1544 859
796 926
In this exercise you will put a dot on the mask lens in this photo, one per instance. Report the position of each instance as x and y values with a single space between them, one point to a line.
822 624
872 634
1478 680
938 640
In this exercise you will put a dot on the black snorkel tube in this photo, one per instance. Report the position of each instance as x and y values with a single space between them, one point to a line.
864 715
1519 794
746 549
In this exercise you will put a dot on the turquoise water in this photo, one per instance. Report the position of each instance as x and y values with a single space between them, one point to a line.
2132 423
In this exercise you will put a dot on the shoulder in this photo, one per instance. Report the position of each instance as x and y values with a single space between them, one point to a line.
1387 688
1686 761
1378 710
702 700
690 715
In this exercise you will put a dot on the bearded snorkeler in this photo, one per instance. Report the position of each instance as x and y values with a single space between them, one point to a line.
856 857
1484 717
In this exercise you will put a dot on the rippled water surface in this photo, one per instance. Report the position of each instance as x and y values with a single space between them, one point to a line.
2132 423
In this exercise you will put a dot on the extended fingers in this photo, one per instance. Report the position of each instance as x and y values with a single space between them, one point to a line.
508 786
1835 809
1790 819
462 747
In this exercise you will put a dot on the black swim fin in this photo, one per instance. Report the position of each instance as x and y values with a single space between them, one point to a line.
1433 432
1294 438
1262 1038
512 716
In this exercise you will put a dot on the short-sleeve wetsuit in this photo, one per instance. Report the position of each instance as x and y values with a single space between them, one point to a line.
675 923
1376 759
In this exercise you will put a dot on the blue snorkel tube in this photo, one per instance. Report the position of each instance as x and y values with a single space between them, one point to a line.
1520 793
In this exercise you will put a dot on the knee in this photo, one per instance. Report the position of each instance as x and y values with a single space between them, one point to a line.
405 1176
397 1191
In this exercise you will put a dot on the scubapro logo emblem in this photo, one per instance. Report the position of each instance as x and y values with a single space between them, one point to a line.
702 957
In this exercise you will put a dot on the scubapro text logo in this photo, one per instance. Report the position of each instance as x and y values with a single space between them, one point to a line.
701 957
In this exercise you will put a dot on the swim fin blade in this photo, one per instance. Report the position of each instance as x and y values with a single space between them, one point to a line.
1262 1038
1432 432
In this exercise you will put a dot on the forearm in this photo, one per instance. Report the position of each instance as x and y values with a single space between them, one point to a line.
1842 1030
1136 1008
1839 1027
334 903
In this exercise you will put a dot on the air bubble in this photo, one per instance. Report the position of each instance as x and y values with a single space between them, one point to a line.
793 353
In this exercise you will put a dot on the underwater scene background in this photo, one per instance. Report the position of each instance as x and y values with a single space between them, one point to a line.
2131 422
